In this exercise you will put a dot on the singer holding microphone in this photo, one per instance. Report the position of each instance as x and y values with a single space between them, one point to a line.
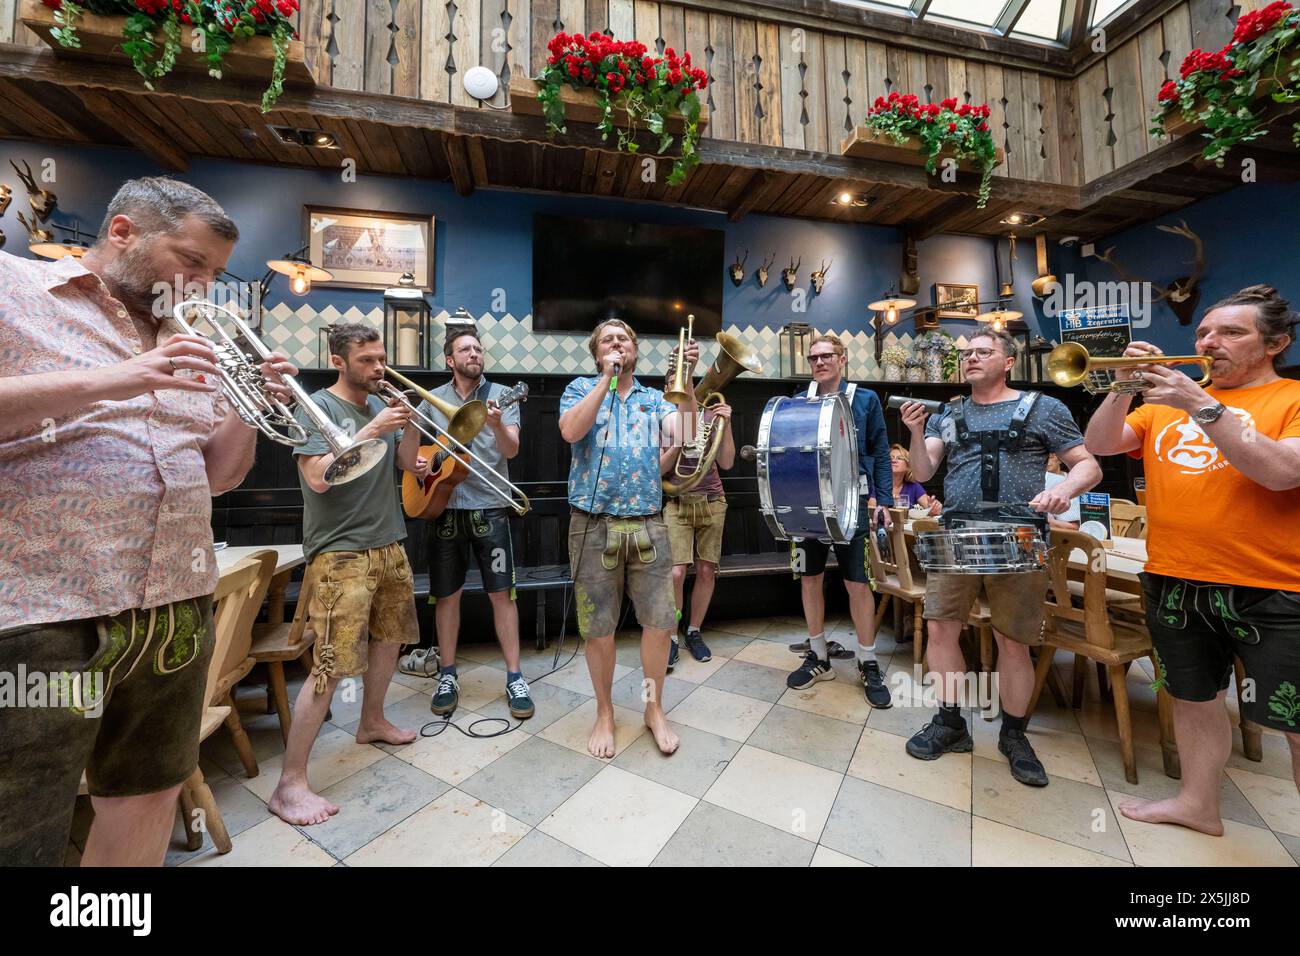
617 536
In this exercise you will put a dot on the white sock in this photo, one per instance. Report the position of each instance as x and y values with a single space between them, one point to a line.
867 653
817 644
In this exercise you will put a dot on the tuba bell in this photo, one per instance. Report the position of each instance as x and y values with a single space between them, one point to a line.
734 358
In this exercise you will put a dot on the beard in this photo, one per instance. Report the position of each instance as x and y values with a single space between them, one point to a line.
359 380
131 277
465 370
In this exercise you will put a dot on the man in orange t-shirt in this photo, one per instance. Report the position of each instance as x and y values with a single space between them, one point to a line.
1222 577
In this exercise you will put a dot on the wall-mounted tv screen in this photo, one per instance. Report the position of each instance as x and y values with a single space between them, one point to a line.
652 276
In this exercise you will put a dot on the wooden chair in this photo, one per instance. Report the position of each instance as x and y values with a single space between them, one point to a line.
230 601
237 661
273 644
1127 520
1088 631
897 579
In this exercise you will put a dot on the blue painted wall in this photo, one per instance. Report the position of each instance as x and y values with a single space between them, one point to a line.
483 241
1250 235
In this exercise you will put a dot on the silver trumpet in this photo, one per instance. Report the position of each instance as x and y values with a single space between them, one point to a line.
245 388
515 497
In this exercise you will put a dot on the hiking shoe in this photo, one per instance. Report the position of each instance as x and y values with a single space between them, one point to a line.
447 697
1025 765
936 739
810 672
421 662
518 699
873 683
674 651
695 644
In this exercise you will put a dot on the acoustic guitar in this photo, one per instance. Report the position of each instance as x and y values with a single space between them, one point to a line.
447 469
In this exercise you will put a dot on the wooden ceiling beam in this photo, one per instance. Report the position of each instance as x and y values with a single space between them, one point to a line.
458 159
146 137
759 184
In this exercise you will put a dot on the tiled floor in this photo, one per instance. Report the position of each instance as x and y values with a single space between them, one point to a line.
764 776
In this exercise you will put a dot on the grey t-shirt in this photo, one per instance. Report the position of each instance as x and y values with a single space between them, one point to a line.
364 513
474 492
1050 428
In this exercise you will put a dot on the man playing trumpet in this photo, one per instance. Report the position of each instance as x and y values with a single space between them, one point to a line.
1222 577
617 536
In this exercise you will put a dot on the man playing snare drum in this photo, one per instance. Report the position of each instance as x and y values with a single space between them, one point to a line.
997 443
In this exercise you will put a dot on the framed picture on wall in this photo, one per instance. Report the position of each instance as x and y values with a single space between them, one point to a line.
369 250
956 296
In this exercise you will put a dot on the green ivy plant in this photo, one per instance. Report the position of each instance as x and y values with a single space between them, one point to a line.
625 78
216 25
1225 92
960 129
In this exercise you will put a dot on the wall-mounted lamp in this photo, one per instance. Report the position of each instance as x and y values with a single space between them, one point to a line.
887 312
298 268
76 246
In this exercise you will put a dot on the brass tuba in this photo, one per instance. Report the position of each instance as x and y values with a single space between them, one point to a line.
734 358
1070 364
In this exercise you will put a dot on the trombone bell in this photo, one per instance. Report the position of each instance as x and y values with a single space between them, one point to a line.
1069 364
464 422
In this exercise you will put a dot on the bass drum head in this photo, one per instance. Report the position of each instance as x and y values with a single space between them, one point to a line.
839 471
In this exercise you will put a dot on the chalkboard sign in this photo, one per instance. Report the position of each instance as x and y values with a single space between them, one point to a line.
1094 515
1103 330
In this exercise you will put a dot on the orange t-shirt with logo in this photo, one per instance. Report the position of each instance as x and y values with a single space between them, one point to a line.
1206 521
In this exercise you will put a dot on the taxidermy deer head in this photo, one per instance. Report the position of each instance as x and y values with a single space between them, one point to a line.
33 233
1182 294
761 273
788 275
42 200
819 277
5 195
737 269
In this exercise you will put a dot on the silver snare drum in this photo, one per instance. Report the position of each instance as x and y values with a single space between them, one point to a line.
980 547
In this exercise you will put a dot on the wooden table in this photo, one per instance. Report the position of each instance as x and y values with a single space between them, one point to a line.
288 557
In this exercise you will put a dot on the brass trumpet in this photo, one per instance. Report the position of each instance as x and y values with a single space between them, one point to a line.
734 358
1070 364
468 420
677 383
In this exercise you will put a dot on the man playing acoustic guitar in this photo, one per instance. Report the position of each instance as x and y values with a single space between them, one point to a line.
474 521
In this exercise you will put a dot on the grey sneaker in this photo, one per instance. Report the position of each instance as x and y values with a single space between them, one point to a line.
834 650
447 697
421 662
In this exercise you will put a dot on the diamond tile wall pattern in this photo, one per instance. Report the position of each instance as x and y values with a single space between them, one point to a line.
514 348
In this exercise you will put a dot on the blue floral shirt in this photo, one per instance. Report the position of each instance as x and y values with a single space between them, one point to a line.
624 453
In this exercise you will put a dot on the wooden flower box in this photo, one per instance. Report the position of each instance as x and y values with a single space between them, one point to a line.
580 106
101 39
867 143
1176 125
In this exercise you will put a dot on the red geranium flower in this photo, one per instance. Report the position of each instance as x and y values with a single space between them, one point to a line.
1252 26
1167 92
949 104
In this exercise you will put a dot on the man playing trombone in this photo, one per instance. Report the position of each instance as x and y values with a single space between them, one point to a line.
476 521
362 604
110 452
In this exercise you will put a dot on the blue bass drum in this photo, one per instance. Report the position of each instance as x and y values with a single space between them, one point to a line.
808 468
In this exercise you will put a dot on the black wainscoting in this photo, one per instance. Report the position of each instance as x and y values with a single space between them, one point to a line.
267 508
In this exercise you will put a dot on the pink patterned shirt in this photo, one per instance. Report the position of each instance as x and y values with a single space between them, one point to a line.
108 508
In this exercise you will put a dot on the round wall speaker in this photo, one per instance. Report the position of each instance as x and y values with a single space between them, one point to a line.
481 83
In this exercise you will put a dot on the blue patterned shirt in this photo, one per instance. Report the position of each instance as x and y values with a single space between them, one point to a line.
628 459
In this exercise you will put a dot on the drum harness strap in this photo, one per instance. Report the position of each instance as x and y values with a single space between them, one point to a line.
992 442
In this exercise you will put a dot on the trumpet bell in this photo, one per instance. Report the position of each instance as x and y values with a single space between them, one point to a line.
355 461
1067 365
1070 364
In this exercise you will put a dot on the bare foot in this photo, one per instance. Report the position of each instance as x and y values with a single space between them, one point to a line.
1172 811
384 732
601 742
296 803
658 724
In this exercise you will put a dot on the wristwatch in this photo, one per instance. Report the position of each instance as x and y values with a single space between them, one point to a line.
1209 414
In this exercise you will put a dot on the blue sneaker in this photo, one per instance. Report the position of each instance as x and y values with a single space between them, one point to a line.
447 698
518 699
695 644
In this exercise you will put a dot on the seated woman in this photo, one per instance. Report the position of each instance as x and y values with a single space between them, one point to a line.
1069 518
900 462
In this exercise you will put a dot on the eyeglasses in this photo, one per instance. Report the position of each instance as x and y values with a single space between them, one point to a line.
822 357
966 355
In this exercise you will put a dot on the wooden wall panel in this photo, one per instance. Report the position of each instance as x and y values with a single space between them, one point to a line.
8 17
573 17
916 69
1015 120
349 39
406 47
1067 124
744 38
814 81
1177 28
672 27
792 104
1211 25
647 23
975 84
836 89
769 74
1151 44
957 85
622 19
697 38
725 68
857 62
543 15
1051 125
493 40
877 70
521 39
993 89
465 48
1094 129
1032 126
896 71
936 77
1124 76
596 16
378 70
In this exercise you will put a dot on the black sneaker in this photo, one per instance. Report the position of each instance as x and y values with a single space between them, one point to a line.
1025 765
519 700
810 672
873 682
447 697
834 650
695 644
936 739
673 653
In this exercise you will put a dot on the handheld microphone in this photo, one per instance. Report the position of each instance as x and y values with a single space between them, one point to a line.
930 405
